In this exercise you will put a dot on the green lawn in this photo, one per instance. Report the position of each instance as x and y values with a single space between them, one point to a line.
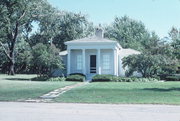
116 92
19 87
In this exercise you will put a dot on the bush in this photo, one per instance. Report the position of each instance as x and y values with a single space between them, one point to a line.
78 74
57 79
175 77
40 78
76 77
135 79
103 78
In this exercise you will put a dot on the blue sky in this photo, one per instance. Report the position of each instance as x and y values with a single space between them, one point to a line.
157 15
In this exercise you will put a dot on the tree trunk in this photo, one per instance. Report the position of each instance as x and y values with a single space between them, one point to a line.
12 62
11 68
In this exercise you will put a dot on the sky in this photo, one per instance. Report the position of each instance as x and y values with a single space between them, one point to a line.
157 15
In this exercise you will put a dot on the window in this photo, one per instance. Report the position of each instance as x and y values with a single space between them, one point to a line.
79 62
106 62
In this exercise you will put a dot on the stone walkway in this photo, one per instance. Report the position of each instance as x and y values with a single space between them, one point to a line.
55 93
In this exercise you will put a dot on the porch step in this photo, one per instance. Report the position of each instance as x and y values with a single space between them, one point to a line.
89 77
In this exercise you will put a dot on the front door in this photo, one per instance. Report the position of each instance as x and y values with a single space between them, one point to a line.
92 63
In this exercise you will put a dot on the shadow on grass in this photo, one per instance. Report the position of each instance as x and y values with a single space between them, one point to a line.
19 79
162 89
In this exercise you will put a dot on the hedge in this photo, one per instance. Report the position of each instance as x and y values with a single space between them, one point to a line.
40 78
57 79
175 77
103 78
112 78
135 79
76 77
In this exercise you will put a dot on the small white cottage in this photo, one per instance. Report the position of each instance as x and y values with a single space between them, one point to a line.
95 55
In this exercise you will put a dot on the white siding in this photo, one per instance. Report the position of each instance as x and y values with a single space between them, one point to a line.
124 53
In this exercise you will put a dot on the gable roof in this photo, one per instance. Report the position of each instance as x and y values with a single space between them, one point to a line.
93 40
90 39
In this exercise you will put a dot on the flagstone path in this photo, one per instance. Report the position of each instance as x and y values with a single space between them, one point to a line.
55 93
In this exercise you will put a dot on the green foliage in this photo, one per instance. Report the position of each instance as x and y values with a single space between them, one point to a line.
174 77
46 78
175 37
135 79
23 57
103 77
40 78
16 20
58 27
112 78
146 64
45 58
3 62
76 77
57 79
131 34
77 74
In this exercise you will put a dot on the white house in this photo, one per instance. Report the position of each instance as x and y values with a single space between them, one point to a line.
95 55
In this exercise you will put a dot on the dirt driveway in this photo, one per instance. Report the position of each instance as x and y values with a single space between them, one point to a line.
16 111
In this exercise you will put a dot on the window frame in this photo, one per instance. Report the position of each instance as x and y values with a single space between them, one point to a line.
79 62
106 62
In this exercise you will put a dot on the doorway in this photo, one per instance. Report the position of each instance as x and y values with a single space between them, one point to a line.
92 63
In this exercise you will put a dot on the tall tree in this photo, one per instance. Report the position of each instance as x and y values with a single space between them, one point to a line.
174 34
16 17
127 32
60 27
131 34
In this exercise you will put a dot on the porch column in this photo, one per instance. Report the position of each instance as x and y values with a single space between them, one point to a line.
69 62
115 61
84 61
98 61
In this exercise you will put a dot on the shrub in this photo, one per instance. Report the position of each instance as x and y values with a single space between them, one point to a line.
123 79
76 77
103 78
40 78
135 79
175 77
57 79
78 74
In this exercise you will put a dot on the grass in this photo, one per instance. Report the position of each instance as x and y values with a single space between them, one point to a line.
128 93
19 87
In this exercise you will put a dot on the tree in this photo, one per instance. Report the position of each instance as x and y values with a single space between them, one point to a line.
3 61
174 34
128 32
16 18
146 64
60 27
45 58
73 26
131 34
151 41
23 57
